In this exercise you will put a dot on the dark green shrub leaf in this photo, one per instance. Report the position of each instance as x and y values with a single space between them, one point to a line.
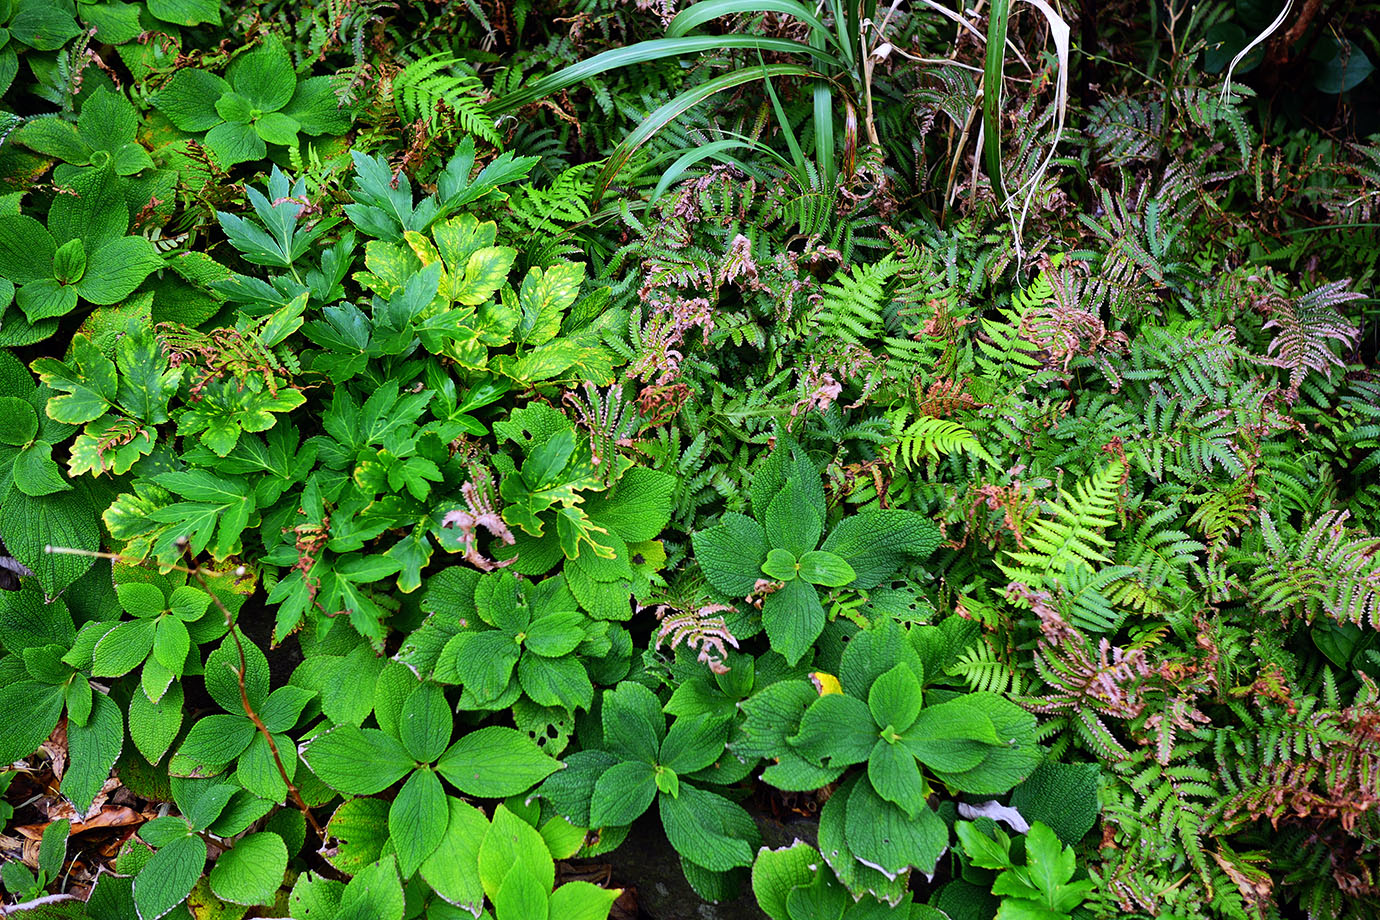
622 793
708 829
168 877
360 761
494 762
633 723
417 820
793 618
732 553
895 698
453 868
251 871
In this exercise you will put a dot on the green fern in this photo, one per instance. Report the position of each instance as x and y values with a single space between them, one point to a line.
1329 571
850 310
1072 535
932 437
428 86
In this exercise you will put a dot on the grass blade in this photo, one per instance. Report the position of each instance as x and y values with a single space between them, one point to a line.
678 106
992 73
653 50
697 15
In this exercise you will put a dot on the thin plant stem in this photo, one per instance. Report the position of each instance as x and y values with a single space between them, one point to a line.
232 627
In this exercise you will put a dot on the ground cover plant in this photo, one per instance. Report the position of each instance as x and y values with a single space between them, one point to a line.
914 460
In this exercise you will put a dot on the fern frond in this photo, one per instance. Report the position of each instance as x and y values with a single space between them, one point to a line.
1072 535
1330 571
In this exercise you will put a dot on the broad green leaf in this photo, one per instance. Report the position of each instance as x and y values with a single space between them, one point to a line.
884 836
251 871
792 521
1063 796
146 382
873 652
731 554
622 794
983 851
116 269
168 877
360 761
55 137
223 675
46 299
189 98
374 894
513 844
780 565
555 634
485 272
837 730
426 727
825 569
776 872
793 618
1008 762
95 213
417 820
453 869
185 13
89 383
32 710
893 773
582 901
544 299
153 726
895 698
316 109
877 542
834 847
52 851
29 524
520 896
482 661
232 143
952 736
633 722
26 249
493 762
69 262
214 742
693 743
708 829
18 421
265 76
26 621
277 128
359 828
556 682
171 643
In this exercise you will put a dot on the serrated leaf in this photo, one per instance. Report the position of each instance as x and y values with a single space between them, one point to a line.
360 761
168 877
622 793
708 829
251 871
417 820
453 868
494 762
731 554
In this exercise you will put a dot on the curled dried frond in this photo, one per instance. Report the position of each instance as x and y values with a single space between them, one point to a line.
480 511
703 629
